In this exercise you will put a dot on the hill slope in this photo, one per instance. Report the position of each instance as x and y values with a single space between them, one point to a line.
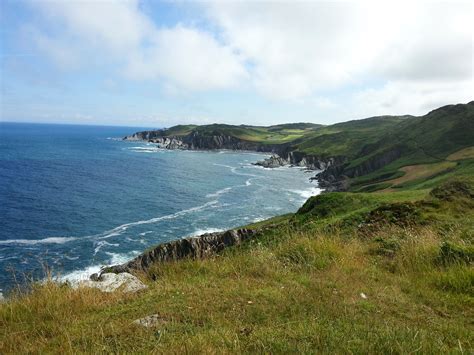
363 154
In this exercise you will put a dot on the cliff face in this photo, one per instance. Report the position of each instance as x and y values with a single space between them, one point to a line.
283 153
197 141
336 176
194 247
295 158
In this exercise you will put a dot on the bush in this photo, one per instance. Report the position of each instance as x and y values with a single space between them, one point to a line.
456 254
387 246
453 189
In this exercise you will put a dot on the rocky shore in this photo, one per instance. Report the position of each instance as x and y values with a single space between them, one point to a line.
198 247
282 154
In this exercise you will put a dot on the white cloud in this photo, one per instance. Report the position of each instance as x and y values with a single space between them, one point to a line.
373 57
302 48
118 32
187 58
410 97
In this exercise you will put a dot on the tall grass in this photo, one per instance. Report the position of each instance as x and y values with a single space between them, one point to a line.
298 292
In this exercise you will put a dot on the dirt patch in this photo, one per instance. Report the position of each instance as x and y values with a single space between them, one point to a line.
466 153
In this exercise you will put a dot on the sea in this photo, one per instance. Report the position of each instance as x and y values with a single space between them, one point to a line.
74 198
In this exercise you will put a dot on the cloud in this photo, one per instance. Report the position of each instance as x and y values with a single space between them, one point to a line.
345 59
92 33
410 97
187 58
385 57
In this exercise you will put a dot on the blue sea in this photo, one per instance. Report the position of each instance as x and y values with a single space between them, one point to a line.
75 198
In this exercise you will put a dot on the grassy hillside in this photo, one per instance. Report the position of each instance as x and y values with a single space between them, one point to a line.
277 134
386 268
378 150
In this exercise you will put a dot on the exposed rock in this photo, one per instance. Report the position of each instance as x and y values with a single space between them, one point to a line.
2 298
198 141
299 159
273 162
150 321
110 282
192 247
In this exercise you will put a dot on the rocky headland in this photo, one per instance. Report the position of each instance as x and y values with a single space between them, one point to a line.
197 247
282 154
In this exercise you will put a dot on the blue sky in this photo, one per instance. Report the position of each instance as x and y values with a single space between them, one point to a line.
150 63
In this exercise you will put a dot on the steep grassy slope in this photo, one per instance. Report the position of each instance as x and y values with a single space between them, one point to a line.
369 153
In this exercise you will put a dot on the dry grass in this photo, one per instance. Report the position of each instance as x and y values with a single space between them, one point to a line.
466 153
421 171
297 293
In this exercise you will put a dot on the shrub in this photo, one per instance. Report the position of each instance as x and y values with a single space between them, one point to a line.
456 254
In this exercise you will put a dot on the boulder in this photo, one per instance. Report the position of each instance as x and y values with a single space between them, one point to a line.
110 282
150 321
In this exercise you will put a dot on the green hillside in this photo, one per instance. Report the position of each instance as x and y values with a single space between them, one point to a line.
375 149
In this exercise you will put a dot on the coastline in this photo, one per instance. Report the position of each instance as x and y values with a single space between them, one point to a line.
199 238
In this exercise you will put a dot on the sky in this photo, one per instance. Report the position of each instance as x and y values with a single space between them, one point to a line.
156 64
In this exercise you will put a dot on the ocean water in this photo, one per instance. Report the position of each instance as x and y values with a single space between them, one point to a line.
75 198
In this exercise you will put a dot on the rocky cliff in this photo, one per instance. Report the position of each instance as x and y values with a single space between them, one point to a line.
197 141
192 247
283 154
294 158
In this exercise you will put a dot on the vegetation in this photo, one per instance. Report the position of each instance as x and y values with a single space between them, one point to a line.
386 269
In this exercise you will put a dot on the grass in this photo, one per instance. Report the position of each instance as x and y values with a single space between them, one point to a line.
466 153
422 171
297 288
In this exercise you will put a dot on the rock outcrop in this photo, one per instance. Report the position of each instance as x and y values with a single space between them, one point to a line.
151 321
198 141
193 247
293 158
110 282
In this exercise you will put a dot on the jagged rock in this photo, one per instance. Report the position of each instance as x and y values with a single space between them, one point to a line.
110 282
192 247
95 277
273 162
150 321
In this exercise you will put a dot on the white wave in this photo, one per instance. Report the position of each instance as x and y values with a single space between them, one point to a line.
233 169
80 275
71 257
145 233
50 240
145 150
83 274
218 193
122 228
117 258
204 231
140 148
307 193
102 243
112 232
